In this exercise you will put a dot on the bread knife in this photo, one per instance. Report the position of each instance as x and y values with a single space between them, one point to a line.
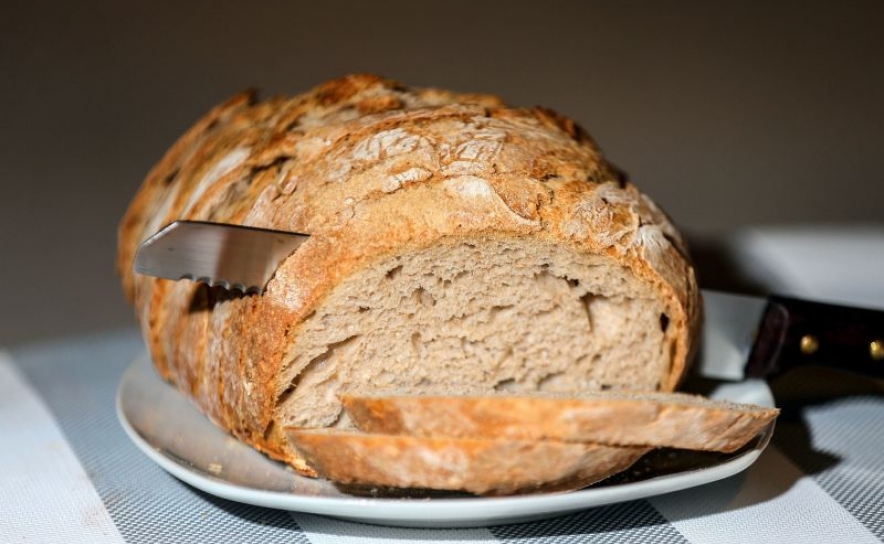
743 336
768 336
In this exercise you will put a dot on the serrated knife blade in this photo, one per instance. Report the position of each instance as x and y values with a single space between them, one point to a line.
230 256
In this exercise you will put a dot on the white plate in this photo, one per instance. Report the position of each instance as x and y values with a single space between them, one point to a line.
174 434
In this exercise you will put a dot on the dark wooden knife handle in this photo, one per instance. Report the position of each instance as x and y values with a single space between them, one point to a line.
797 332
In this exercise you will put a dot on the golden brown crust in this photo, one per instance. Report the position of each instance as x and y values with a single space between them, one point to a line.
621 419
485 467
354 162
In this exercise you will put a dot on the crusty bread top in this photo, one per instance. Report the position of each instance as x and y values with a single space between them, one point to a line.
653 419
370 168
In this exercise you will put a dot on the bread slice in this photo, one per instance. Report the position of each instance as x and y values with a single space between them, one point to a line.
457 245
480 466
674 420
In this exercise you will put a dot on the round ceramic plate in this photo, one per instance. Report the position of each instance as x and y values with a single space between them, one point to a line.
173 433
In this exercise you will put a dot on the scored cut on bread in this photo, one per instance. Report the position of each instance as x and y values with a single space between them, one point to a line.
480 466
675 420
457 245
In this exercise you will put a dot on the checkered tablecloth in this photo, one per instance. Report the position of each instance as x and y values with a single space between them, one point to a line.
69 474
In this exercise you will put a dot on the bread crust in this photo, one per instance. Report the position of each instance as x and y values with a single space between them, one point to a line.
484 467
354 162
674 420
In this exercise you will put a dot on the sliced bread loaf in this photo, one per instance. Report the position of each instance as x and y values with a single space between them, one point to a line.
674 420
457 246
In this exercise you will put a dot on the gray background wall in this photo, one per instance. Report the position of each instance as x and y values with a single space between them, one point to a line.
729 114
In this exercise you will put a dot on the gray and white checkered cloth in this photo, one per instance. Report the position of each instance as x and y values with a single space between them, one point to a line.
69 474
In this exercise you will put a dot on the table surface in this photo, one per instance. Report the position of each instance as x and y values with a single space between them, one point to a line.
71 475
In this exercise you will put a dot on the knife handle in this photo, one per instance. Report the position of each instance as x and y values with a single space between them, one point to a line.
795 333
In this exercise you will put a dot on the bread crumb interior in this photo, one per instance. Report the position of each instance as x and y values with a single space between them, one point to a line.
474 316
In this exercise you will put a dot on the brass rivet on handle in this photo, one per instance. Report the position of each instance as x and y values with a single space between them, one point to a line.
876 350
809 344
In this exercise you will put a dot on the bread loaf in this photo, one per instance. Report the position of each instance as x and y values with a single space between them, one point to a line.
457 246
674 420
